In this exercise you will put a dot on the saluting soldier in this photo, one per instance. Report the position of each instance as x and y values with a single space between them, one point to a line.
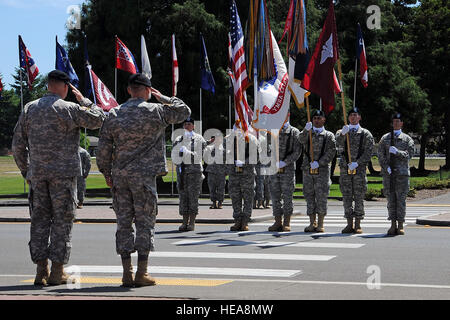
282 183
131 154
45 148
85 159
316 169
215 158
395 149
189 173
241 177
353 180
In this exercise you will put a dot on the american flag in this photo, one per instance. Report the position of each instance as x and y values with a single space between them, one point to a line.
239 70
175 73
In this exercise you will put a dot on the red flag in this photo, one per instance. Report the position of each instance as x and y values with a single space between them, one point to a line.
1 88
103 97
361 55
319 77
124 58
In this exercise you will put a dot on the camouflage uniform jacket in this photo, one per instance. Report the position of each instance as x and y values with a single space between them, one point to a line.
324 147
132 139
47 136
361 147
192 157
290 147
251 151
85 159
405 146
210 154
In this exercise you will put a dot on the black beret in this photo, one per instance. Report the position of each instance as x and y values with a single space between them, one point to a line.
318 113
139 79
59 76
396 115
354 110
189 119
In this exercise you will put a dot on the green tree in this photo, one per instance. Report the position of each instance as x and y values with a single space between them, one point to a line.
430 32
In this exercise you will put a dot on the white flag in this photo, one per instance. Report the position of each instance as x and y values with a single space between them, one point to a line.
146 68
273 96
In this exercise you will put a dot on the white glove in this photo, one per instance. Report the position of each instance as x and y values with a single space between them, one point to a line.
308 126
352 166
239 163
393 150
281 164
345 129
314 165
183 149
389 170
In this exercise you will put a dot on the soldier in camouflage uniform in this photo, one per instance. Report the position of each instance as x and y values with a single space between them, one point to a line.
241 177
131 154
85 160
395 149
215 158
354 186
316 187
189 173
282 183
45 148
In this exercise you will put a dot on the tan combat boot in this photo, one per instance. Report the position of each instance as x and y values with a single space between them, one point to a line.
191 225
184 225
244 224
57 275
142 278
277 226
267 205
358 229
400 230
236 226
312 224
287 223
393 229
128 276
320 223
219 205
349 227
214 205
42 273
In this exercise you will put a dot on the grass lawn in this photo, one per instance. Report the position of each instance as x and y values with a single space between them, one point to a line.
11 182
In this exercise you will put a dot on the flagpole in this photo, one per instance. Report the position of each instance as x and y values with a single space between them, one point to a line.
21 109
115 83
201 123
344 114
229 103
354 84
311 149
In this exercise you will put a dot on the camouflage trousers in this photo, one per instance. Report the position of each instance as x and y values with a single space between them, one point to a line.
316 189
262 189
52 210
135 200
216 185
282 187
81 189
189 188
396 198
353 188
241 189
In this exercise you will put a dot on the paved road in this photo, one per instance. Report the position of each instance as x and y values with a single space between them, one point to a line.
213 263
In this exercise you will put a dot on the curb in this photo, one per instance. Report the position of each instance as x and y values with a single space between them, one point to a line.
433 220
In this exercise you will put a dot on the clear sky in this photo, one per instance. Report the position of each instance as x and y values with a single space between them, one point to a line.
38 22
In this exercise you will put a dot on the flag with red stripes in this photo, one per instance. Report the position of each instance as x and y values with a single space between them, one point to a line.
239 70
175 74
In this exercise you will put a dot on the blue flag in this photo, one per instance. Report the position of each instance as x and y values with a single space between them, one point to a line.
207 79
62 63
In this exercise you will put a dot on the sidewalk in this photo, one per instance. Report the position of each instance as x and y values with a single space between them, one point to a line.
99 211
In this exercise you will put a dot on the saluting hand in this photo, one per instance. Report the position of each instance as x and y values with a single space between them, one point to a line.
157 94
78 95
